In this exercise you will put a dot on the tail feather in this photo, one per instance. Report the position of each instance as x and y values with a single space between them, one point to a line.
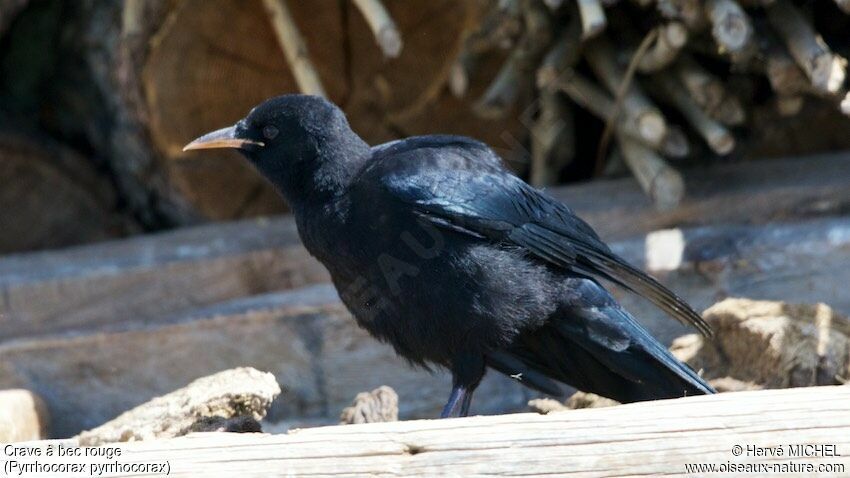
596 346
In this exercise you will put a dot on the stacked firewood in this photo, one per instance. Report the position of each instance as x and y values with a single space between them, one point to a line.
654 71
562 90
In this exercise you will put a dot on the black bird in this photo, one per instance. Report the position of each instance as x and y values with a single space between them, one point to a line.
440 251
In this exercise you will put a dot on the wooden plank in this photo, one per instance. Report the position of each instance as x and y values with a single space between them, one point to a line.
803 262
753 192
150 277
305 337
153 276
660 438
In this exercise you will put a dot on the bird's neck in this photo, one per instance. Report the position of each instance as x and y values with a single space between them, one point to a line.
337 162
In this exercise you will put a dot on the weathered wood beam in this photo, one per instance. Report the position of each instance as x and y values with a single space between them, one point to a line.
305 337
661 438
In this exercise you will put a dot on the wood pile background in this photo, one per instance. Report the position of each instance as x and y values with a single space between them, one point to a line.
561 89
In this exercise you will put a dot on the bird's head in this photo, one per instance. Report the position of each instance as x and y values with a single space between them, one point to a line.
302 144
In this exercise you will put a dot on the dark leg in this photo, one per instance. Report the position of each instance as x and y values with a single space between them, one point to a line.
467 372
467 401
458 393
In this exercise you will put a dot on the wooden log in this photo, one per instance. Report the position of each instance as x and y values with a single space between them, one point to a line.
709 92
563 55
705 89
23 416
715 135
590 97
670 40
825 69
93 287
660 181
668 437
232 394
503 92
593 20
52 197
676 143
648 119
732 29
552 139
690 12
785 76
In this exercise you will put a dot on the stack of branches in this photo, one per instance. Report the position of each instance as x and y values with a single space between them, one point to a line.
654 71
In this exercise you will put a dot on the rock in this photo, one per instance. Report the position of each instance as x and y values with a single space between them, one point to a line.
771 344
233 399
23 416
379 405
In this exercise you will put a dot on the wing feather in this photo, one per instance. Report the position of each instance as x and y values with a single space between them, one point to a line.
498 206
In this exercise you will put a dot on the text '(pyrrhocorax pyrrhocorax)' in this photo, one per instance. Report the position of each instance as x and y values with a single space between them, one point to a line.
438 250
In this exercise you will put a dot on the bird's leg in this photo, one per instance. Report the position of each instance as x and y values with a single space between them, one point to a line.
467 371
458 393
467 401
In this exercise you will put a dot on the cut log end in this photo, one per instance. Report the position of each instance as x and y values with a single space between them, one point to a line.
668 189
652 127
593 20
829 72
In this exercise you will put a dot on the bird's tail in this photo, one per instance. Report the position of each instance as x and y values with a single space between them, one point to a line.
598 347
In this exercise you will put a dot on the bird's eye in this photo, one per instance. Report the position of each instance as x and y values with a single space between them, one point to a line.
270 132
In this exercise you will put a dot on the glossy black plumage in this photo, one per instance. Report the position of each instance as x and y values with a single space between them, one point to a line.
441 252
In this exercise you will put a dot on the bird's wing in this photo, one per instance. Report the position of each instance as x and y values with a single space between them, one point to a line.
502 208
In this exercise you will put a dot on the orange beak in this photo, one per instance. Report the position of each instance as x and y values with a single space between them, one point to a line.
222 138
